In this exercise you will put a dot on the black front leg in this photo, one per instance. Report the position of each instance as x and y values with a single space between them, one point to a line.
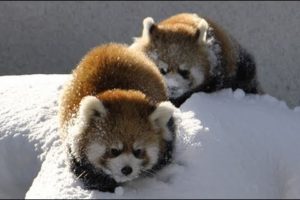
91 178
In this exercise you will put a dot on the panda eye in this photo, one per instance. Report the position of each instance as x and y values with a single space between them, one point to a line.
138 153
163 71
184 73
115 152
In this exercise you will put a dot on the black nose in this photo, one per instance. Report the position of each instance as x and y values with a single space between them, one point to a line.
126 170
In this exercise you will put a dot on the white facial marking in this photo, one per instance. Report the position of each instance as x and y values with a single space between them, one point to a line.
152 152
197 75
177 85
184 66
115 165
94 152
137 145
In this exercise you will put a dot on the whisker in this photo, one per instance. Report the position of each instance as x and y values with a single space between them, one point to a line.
149 172
82 174
175 162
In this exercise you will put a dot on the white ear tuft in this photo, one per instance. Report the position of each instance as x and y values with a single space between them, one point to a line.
148 22
161 116
203 27
89 106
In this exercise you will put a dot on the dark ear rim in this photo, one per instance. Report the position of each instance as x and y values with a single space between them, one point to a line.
152 28
97 113
91 106
197 34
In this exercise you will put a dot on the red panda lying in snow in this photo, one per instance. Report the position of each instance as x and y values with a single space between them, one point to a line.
194 54
114 123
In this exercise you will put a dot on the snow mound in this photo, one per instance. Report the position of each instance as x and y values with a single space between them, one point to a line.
28 109
230 145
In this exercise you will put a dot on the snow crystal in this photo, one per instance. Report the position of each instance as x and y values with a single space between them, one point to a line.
197 75
239 94
213 51
176 84
119 191
297 109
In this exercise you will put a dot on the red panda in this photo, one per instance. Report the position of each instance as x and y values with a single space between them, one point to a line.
115 119
195 54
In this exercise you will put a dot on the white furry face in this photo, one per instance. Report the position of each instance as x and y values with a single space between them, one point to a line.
180 77
174 48
176 84
123 166
95 151
120 146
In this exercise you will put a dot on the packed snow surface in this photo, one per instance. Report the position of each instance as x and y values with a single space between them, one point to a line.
229 145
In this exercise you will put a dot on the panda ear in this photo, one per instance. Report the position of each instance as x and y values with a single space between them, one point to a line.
202 30
91 106
148 26
161 116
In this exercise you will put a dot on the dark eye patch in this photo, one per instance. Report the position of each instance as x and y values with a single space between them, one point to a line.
184 73
163 71
138 153
115 152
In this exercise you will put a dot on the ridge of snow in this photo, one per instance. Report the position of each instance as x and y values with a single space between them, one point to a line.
230 145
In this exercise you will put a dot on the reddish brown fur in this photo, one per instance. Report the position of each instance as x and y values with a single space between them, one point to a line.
182 29
112 66
185 23
126 110
126 121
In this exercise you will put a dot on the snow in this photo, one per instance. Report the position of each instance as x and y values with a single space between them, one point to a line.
28 107
229 145
213 50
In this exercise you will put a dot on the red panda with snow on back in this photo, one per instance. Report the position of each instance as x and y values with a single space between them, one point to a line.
115 125
195 54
